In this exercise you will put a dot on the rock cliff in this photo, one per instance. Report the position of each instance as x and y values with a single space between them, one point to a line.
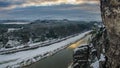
104 46
110 12
93 54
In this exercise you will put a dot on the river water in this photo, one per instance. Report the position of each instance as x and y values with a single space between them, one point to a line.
61 59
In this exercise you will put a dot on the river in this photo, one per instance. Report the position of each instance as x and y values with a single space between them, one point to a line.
61 59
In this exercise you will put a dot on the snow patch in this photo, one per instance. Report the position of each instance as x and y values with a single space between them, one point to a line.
82 47
102 57
96 63
16 23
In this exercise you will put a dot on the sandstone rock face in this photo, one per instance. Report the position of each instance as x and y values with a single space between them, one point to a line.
96 53
80 57
99 42
104 48
110 11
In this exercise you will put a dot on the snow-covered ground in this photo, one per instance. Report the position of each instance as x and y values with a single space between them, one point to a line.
16 23
23 58
16 46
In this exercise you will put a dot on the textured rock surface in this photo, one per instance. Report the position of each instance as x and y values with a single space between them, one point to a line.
110 10
104 47
94 53
98 46
80 57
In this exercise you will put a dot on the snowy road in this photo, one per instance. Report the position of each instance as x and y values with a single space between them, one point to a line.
23 58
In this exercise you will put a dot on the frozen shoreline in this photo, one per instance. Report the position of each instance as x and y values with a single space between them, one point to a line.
33 45
28 57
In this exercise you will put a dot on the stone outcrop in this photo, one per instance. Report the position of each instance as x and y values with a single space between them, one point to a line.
80 57
104 47
98 46
110 11
94 52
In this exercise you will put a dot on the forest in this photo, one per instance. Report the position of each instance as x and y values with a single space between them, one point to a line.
40 30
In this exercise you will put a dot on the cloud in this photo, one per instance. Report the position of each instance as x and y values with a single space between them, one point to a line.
65 11
50 9
11 4
4 4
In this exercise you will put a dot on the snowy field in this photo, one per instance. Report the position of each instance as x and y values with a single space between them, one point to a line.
28 57
16 23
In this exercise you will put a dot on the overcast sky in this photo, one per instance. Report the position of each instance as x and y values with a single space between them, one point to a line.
50 9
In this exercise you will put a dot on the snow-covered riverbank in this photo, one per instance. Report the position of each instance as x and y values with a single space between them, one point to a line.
31 46
24 58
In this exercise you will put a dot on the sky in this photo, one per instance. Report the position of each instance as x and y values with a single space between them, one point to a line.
87 10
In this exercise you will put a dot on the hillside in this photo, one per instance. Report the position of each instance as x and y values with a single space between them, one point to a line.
13 35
